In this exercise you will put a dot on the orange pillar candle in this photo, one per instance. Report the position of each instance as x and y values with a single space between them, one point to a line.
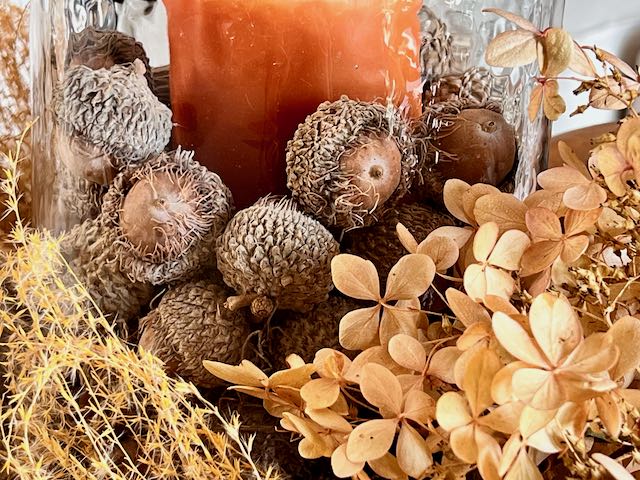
245 73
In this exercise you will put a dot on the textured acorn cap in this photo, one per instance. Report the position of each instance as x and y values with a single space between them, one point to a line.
105 48
380 243
436 54
186 252
91 250
115 111
317 176
304 334
81 199
273 250
191 325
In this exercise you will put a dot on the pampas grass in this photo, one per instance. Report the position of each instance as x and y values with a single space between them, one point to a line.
79 403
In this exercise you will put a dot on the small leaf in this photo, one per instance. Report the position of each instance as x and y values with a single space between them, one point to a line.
387 467
359 328
521 22
538 388
543 224
381 388
509 250
459 235
625 333
501 387
398 320
581 63
413 455
558 50
246 373
355 277
616 62
419 407
463 443
452 411
475 282
540 256
320 393
614 167
561 179
513 337
406 238
465 309
452 195
371 440
552 103
523 468
485 240
629 129
574 248
535 102
443 251
513 48
585 197
502 208
329 419
489 461
442 364
532 420
481 369
579 221
410 278
570 158
343 467
472 195
616 470
408 352
610 415
499 283
503 419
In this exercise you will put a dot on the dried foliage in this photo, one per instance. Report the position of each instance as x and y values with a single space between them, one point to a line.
15 111
532 372
79 403
613 86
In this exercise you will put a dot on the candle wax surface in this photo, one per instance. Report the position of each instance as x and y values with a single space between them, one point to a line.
246 73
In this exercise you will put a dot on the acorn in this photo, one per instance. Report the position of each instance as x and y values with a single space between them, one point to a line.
109 120
380 243
190 325
436 49
349 161
82 199
167 215
98 49
461 140
273 254
304 334
90 249
473 86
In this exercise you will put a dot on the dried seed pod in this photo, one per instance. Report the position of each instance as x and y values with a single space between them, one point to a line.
380 243
273 250
461 140
304 334
349 160
122 125
98 49
167 215
191 325
91 249
436 54
82 199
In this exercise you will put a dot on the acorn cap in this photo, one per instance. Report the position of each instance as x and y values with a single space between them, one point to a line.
115 111
273 250
81 199
380 243
91 251
305 334
191 325
194 207
436 53
473 86
98 49
349 161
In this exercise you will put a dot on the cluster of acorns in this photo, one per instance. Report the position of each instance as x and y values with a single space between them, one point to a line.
157 221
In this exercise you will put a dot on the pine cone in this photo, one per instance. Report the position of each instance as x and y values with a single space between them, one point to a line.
91 250
435 51
273 250
167 216
191 325
112 112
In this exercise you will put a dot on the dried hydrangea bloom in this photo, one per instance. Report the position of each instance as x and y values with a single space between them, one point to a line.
190 325
167 216
349 160
110 120
275 252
